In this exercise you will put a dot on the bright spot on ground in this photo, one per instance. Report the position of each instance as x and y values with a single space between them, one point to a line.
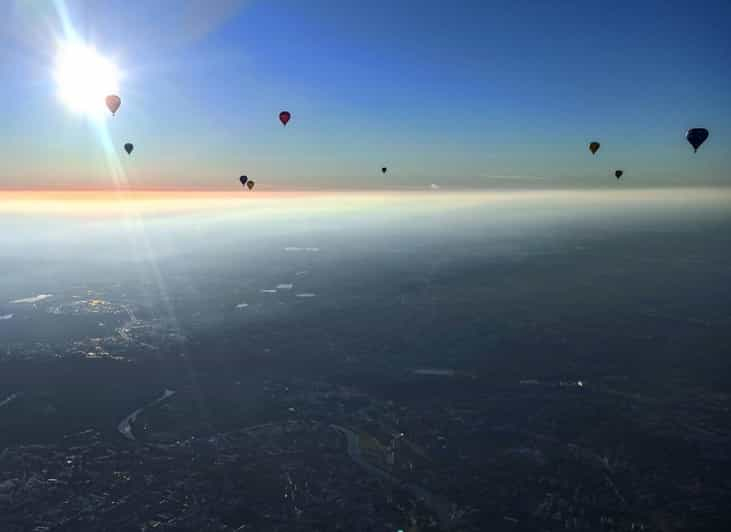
84 79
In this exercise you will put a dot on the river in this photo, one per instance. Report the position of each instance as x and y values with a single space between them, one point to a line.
9 399
125 426
435 503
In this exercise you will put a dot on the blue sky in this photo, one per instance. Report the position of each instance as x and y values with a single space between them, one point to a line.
456 92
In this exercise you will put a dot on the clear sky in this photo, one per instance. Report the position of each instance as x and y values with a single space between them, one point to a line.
458 93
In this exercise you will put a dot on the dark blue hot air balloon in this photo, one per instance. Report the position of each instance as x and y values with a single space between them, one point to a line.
243 180
696 136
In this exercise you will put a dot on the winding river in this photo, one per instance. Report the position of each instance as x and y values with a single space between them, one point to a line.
125 426
439 505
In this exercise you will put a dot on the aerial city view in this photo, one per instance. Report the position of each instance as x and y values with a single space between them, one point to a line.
365 266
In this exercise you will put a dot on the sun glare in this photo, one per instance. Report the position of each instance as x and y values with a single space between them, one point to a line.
84 79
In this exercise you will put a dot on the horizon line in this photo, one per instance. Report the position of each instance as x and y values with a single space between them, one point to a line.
423 188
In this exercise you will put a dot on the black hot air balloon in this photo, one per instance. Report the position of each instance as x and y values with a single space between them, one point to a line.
284 117
594 147
618 173
128 148
113 102
243 180
384 170
696 136
250 184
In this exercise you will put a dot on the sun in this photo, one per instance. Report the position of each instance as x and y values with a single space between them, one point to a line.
84 79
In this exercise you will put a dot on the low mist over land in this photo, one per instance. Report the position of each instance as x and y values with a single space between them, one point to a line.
517 339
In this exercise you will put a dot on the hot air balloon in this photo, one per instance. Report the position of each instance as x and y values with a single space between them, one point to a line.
284 117
618 173
128 148
384 170
696 136
243 180
594 147
113 103
250 184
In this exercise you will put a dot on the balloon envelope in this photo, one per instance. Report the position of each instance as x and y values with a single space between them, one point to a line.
384 170
113 102
696 136
594 147
250 184
284 117
243 179
128 148
618 173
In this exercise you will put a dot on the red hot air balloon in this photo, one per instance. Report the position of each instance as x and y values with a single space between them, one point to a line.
284 117
113 103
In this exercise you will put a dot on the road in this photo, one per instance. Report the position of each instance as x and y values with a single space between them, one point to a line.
132 321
